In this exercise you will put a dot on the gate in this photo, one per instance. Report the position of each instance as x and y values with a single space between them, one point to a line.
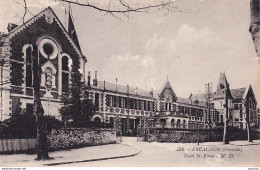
118 128
143 129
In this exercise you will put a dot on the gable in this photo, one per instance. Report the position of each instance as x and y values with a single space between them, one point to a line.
167 93
46 22
249 93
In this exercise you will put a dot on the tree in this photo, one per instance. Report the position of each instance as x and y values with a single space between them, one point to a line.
255 25
247 112
76 107
119 7
78 114
42 150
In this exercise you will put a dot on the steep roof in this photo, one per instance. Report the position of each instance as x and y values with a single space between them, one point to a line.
238 93
122 89
167 85
222 86
72 32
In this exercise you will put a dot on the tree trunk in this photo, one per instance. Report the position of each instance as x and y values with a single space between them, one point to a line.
249 138
42 150
225 134
249 132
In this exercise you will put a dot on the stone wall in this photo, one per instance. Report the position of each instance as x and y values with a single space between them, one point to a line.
68 138
190 136
181 136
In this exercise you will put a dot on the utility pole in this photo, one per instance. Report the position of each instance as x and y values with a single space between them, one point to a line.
1 83
197 124
246 103
208 90
128 110
197 117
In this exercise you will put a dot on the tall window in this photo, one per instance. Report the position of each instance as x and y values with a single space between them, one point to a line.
121 102
29 67
166 106
65 74
97 99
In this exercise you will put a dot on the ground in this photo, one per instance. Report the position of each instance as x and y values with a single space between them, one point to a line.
171 154
133 153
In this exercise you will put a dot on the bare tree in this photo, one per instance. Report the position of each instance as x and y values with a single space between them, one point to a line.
255 25
114 8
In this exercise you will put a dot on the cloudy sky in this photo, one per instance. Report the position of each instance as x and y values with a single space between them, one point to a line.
190 47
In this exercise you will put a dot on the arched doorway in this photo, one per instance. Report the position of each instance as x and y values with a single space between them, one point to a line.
184 124
162 123
173 123
178 123
97 122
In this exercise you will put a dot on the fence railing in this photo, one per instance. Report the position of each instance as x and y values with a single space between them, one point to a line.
16 145
174 126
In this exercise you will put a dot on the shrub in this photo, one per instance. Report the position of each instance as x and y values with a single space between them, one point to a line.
23 125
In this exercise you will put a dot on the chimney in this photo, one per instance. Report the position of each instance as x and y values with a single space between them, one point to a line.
104 85
11 26
116 84
89 79
95 79
151 92
127 90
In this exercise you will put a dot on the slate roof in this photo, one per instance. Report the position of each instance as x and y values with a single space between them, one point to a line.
122 89
188 101
200 97
236 94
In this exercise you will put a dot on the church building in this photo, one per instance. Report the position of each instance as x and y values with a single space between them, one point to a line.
57 50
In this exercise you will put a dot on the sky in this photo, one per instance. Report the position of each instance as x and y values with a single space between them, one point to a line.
191 48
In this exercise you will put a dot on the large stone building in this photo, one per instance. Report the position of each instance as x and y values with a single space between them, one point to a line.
58 51
240 102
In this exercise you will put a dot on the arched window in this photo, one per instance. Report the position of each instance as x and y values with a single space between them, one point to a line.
250 103
184 123
28 54
178 123
172 123
65 74
97 122
65 63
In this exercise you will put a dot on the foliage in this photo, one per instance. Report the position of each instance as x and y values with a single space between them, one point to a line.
80 114
76 110
23 125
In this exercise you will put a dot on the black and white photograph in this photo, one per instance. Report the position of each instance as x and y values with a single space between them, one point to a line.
129 83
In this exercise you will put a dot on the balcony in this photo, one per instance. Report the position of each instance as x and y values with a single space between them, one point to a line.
133 112
167 125
175 126
172 113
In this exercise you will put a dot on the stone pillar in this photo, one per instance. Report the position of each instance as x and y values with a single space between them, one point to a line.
168 123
